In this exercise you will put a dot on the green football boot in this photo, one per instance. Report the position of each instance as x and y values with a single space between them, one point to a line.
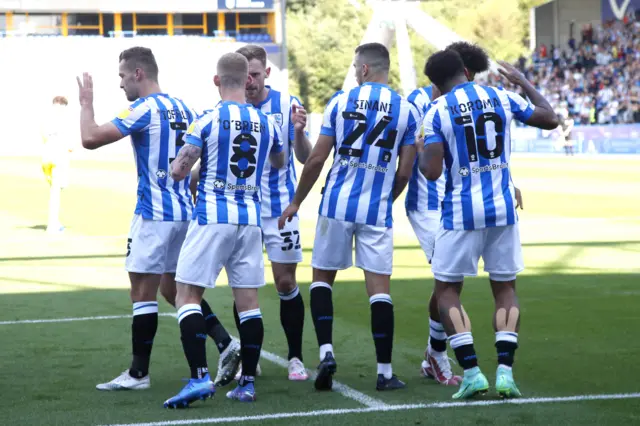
505 385
473 383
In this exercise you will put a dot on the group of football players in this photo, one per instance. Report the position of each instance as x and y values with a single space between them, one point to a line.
449 142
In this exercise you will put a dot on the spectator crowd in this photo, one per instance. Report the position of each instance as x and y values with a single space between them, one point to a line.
595 80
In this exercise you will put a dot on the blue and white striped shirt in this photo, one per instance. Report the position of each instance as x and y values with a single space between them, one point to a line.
474 124
236 140
423 194
279 185
157 125
370 124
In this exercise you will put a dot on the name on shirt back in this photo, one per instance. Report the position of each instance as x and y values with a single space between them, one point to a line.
372 105
478 105
244 126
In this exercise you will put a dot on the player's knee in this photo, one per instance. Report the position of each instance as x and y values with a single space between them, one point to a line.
285 283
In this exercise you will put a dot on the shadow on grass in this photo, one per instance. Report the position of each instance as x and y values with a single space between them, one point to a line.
579 244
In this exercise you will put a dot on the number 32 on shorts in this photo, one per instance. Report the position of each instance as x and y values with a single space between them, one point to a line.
288 238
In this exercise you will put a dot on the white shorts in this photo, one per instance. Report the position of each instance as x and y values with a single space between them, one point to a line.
209 248
283 246
153 246
332 247
457 252
425 224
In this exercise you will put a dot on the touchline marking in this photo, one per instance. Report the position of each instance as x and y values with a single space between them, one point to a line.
106 317
522 401
342 389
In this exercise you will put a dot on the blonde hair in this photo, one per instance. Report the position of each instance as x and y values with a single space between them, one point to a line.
233 70
60 100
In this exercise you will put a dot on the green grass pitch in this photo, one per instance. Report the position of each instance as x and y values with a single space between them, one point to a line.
579 294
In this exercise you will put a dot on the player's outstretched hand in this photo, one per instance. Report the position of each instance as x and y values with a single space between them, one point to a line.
85 89
511 73
288 214
519 200
298 117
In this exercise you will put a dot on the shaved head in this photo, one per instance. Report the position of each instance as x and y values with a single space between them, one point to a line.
372 59
233 70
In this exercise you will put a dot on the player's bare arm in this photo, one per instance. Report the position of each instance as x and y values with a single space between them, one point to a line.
406 158
431 160
301 144
93 136
184 162
519 199
193 183
543 116
278 160
310 173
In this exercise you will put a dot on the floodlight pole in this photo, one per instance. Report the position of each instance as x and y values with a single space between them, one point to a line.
283 50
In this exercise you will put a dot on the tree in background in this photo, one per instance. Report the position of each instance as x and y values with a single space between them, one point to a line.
322 35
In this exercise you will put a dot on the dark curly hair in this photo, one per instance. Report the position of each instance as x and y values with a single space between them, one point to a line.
474 57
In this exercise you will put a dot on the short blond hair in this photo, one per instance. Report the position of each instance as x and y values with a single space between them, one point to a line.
233 70
60 100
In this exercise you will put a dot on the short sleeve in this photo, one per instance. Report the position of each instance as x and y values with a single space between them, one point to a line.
277 146
194 133
329 118
419 99
520 108
412 132
433 127
133 119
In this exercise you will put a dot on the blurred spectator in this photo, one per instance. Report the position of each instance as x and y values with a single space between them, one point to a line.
597 81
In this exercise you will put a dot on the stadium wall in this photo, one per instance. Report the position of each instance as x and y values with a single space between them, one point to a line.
49 65
608 139
553 20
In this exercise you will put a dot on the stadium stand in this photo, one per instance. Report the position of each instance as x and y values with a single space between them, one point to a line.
594 80
57 45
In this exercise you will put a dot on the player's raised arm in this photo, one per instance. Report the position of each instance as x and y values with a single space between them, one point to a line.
543 115
93 136
301 144
189 154
432 156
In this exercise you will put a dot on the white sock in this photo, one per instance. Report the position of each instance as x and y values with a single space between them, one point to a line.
385 370
327 347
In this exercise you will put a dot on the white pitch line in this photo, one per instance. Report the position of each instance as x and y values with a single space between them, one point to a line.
435 405
342 389
46 321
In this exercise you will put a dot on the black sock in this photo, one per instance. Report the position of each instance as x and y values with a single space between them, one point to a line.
143 330
194 337
236 317
215 328
462 344
506 352
292 320
251 337
437 336
322 311
382 326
